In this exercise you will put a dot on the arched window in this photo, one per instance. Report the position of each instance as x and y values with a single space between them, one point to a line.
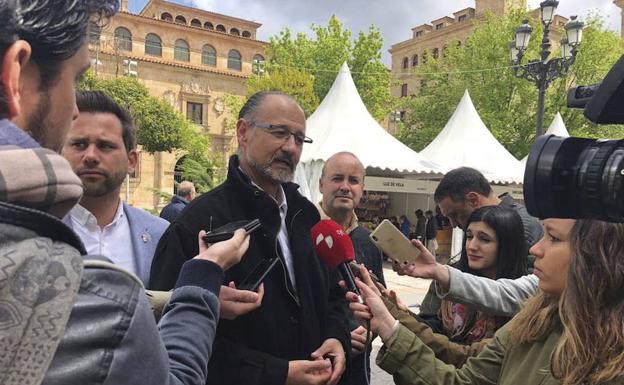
196 23
181 51
153 45
405 62
414 60
208 25
123 39
180 19
435 53
257 65
94 33
220 28
235 32
209 55
246 34
234 60
166 17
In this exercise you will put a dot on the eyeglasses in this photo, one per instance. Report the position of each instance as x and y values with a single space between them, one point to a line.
282 133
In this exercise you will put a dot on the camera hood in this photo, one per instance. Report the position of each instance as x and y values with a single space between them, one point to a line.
605 107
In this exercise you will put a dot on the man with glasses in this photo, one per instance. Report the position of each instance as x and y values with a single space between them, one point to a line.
298 335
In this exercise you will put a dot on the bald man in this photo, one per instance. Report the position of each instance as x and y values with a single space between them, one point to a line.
186 193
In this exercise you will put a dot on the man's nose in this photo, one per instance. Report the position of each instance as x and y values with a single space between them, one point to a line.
91 155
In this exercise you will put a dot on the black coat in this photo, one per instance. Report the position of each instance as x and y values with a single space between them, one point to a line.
173 209
256 347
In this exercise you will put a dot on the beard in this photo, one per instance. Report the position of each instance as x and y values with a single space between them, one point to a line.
275 175
108 184
42 129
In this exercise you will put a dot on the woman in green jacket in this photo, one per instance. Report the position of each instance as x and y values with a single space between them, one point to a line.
571 332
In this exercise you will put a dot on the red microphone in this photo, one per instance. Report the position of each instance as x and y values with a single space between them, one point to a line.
335 248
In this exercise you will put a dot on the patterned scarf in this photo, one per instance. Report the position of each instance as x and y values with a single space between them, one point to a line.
39 278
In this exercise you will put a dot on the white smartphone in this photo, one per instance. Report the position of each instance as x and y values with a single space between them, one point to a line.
393 243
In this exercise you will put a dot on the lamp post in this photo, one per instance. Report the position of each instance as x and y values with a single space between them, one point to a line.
543 71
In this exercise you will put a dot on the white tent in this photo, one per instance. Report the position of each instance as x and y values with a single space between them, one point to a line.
557 127
342 123
465 141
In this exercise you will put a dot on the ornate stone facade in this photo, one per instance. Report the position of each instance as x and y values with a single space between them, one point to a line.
191 59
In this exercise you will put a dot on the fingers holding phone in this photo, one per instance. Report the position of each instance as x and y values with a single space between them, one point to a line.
226 253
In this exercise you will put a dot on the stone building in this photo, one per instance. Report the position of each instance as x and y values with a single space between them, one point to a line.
429 40
188 57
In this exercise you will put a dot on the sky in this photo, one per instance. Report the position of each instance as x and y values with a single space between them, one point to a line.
394 18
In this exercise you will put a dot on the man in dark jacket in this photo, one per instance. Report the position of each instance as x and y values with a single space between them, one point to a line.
302 321
342 186
66 317
186 193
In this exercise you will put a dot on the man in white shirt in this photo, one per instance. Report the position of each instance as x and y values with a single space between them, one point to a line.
101 148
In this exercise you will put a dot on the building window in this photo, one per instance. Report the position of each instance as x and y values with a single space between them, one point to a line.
123 39
234 32
257 64
402 116
461 18
166 17
404 90
418 34
246 34
194 112
209 55
405 63
180 20
94 33
424 57
220 28
435 53
208 25
440 26
414 60
196 23
181 51
234 60
153 45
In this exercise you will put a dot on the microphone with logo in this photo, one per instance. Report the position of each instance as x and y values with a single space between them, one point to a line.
335 248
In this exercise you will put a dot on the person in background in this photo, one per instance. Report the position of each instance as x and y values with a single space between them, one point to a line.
186 193
431 231
404 225
421 225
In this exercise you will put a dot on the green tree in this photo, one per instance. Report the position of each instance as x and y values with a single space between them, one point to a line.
294 82
321 57
506 104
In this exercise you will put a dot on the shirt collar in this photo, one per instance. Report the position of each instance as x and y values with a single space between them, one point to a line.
84 217
353 224
281 196
10 134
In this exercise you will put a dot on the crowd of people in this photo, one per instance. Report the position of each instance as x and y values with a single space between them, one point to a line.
94 291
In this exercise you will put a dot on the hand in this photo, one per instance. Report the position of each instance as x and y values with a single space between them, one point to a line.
309 372
227 253
365 276
381 321
332 347
394 298
425 266
358 340
234 302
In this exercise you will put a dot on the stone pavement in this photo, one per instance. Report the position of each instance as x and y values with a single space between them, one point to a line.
411 291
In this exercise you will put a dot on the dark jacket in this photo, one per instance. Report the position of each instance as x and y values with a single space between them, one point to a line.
421 224
173 209
256 347
431 230
533 229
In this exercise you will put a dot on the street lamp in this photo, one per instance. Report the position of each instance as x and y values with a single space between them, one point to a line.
543 71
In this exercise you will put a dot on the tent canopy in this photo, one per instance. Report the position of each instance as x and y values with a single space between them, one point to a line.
465 141
557 127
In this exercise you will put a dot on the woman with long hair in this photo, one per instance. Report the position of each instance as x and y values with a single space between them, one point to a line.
571 332
494 247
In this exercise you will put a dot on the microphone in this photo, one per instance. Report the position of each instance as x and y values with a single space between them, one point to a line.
335 248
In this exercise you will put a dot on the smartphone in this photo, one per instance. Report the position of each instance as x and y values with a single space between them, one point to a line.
392 242
226 232
257 275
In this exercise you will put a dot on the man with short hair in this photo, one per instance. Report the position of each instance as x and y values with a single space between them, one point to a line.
111 336
463 190
421 225
185 194
342 186
101 149
301 323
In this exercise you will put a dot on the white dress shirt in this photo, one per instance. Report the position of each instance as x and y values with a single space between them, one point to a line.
113 241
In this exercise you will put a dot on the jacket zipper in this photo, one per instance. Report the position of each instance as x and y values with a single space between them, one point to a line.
282 263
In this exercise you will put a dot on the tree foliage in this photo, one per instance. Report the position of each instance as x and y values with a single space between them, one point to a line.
506 104
294 82
300 59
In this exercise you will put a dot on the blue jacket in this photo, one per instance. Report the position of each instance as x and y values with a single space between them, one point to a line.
145 232
173 209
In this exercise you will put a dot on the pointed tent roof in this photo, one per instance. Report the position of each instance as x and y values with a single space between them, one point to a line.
465 141
342 123
557 127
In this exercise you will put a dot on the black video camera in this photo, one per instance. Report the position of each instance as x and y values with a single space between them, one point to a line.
579 177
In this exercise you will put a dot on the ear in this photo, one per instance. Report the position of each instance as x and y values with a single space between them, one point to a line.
321 185
13 64
133 160
473 199
242 130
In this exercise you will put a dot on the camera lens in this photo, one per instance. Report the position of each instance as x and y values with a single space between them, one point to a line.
575 178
